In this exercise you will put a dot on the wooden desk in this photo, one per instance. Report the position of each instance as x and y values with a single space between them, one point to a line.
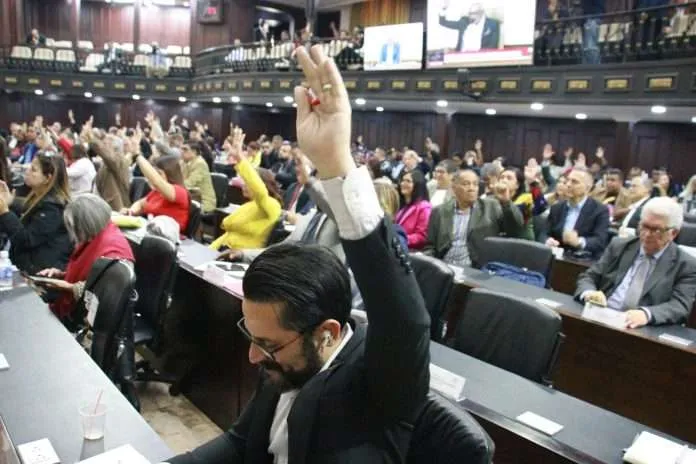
630 372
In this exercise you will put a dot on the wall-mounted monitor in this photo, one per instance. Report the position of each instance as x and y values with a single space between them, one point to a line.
396 46
469 33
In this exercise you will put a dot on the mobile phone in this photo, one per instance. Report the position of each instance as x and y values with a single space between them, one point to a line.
38 280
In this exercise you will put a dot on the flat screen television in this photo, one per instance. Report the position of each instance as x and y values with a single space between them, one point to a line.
470 33
396 46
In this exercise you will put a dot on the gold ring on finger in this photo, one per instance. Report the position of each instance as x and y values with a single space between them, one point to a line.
326 87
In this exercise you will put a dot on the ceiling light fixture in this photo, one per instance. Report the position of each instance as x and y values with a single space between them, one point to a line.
88 95
38 92
288 99
442 103
491 111
379 109
658 109
360 101
235 99
269 104
536 106
581 116
217 100
294 105
182 99
693 119
136 96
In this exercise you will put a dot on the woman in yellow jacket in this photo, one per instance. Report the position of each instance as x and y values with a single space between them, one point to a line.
249 225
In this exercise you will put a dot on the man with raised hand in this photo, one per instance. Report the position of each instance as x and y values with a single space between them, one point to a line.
332 390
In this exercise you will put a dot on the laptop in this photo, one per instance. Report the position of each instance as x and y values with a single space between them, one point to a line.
8 453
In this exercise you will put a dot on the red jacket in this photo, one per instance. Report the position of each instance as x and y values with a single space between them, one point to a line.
415 219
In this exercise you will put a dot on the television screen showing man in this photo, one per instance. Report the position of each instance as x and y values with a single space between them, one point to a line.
480 32
396 46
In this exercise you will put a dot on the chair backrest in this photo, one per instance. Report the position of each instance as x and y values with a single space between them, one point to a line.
194 222
138 188
43 54
173 50
186 50
127 47
145 48
515 334
435 280
94 59
690 218
141 60
67 56
112 283
220 184
182 62
155 269
20 51
446 434
85 45
518 252
687 235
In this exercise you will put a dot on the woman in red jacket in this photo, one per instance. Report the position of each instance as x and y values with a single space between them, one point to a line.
88 221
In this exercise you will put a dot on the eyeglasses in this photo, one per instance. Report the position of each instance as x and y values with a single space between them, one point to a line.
654 230
268 353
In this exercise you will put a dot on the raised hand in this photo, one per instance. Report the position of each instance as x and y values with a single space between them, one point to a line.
323 130
236 141
548 152
600 152
503 192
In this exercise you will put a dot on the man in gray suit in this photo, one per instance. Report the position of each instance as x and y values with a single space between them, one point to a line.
459 226
648 277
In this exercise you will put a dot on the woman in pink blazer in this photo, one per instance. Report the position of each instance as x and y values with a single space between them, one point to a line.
414 214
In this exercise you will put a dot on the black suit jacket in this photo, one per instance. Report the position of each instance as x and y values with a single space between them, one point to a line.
592 224
304 203
363 408
669 291
491 31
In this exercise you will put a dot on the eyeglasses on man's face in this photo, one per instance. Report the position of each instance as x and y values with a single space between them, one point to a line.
268 352
654 230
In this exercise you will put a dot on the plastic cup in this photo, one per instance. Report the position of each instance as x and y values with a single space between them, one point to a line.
93 419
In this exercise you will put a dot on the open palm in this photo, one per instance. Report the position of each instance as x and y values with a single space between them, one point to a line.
323 126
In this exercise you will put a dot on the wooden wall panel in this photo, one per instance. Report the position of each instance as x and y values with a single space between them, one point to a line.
167 26
238 23
53 18
102 23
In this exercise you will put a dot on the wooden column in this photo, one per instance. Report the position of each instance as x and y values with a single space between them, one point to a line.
20 33
136 25
76 10
623 158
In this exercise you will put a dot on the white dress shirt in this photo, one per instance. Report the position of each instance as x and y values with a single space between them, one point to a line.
473 35
81 174
278 436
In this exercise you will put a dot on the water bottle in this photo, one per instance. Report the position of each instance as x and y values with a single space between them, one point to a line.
6 271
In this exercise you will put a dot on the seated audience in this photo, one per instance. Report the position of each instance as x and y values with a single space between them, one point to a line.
284 169
254 150
36 228
640 191
440 188
667 187
81 172
5 164
612 194
459 226
432 152
250 225
388 198
197 175
112 182
363 390
88 221
580 223
29 148
560 192
296 200
649 276
688 197
530 203
414 213
168 196
35 39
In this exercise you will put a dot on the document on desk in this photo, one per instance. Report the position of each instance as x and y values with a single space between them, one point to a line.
674 339
606 316
123 454
548 303
447 383
539 423
38 452
649 448
458 272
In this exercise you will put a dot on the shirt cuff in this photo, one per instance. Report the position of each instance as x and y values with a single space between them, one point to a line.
354 203
584 294
647 313
583 243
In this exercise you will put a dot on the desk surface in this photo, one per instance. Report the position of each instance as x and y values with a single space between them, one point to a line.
50 376
589 434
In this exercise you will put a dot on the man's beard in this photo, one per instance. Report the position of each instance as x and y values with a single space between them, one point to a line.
291 379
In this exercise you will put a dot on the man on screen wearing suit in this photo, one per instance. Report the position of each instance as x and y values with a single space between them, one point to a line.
580 223
476 31
391 52
648 277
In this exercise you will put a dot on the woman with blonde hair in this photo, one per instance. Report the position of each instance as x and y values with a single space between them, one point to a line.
389 201
688 197
36 228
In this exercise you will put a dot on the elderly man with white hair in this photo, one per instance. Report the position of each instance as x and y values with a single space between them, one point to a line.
649 277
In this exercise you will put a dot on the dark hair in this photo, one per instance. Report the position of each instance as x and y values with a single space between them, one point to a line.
78 151
5 174
196 147
51 164
448 165
420 188
375 167
172 169
521 184
253 146
268 179
615 172
309 280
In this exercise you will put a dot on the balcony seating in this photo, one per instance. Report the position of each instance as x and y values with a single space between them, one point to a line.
43 59
127 47
65 61
186 50
20 57
92 63
145 48
173 50
63 44
85 45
